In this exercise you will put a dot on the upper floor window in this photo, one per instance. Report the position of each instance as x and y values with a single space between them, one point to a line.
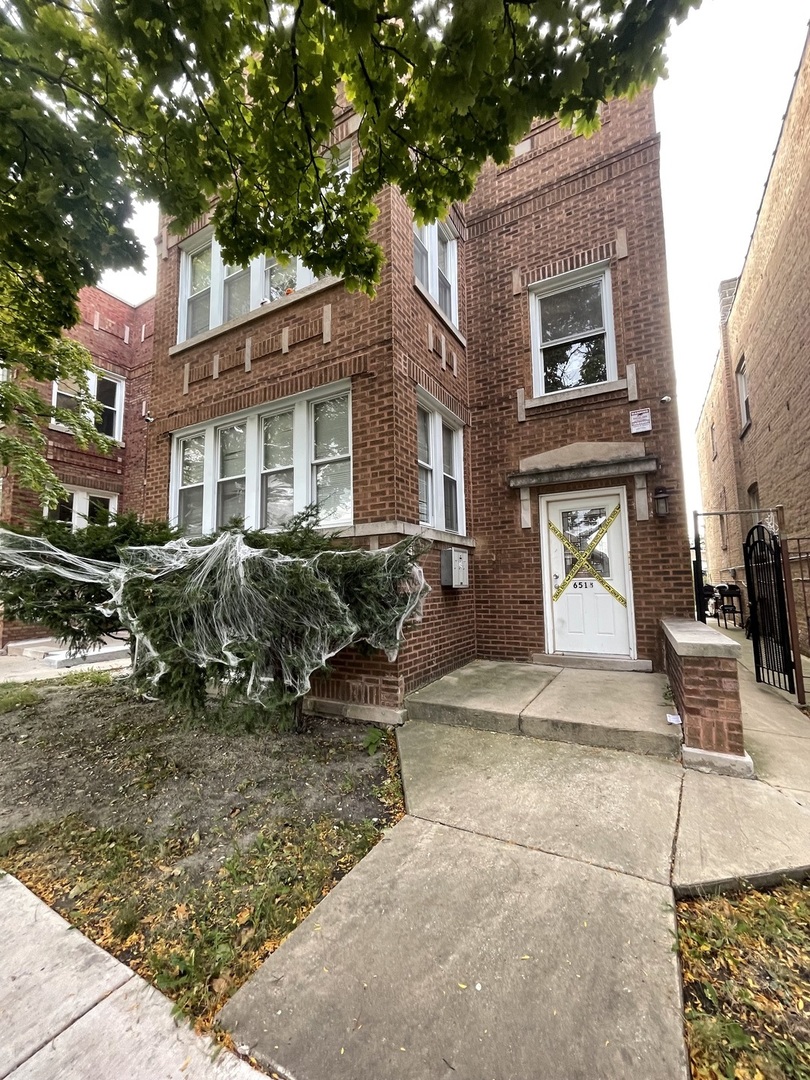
573 343
108 391
213 293
435 264
82 508
265 466
742 391
440 462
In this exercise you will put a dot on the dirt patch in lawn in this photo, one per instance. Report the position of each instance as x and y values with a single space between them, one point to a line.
746 968
187 850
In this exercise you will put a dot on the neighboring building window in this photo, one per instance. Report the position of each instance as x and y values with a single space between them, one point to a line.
213 293
723 522
82 508
753 502
572 331
742 390
107 390
440 463
265 466
435 264
714 442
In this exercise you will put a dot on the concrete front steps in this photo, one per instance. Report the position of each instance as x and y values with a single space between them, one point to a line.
51 652
615 710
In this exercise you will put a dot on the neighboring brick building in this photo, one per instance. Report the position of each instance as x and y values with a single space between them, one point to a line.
492 395
754 431
119 338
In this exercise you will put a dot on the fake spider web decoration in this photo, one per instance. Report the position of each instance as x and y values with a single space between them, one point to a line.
256 621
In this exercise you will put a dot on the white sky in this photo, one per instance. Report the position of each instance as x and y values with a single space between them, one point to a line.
732 65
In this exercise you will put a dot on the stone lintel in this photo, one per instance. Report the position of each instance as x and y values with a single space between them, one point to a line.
607 470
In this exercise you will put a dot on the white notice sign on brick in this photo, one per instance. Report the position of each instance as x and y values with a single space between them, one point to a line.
640 420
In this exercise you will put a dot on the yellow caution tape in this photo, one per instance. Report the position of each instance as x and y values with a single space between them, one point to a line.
582 559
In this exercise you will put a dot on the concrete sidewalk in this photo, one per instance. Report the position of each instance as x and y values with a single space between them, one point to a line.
519 922
68 1010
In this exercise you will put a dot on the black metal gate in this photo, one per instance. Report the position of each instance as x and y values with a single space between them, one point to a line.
770 635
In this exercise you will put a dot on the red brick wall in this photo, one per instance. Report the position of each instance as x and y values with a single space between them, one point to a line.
769 324
563 197
707 697
561 205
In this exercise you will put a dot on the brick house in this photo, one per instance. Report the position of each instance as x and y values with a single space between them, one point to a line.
119 338
509 392
752 436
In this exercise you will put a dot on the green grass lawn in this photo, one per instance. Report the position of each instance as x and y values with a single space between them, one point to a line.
188 850
746 971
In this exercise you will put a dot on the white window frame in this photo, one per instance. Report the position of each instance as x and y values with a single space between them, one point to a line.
256 267
81 505
743 393
92 386
550 287
304 492
428 237
441 417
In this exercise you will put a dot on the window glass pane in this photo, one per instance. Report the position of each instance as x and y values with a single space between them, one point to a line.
579 363
333 491
278 441
98 510
200 270
193 457
448 450
580 527
232 451
66 401
331 420
425 500
190 511
277 498
199 313
423 435
107 392
230 500
278 279
237 292
64 511
444 259
420 256
450 504
106 422
445 295
575 311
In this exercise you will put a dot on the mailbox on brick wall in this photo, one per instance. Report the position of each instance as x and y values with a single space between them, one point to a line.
455 568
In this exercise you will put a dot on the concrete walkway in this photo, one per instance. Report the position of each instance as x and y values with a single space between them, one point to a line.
519 921
68 1010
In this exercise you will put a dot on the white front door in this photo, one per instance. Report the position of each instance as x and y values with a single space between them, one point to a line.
587 575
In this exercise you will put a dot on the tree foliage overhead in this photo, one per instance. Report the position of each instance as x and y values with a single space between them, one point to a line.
190 100
194 102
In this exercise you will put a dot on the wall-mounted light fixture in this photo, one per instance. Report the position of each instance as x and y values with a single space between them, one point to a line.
661 500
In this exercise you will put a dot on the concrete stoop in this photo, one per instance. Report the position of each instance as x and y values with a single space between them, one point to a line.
614 710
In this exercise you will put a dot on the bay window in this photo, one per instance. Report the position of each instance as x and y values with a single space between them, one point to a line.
213 293
266 465
440 465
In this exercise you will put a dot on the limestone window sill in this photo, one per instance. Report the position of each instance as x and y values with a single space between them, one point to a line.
451 326
251 316
578 392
